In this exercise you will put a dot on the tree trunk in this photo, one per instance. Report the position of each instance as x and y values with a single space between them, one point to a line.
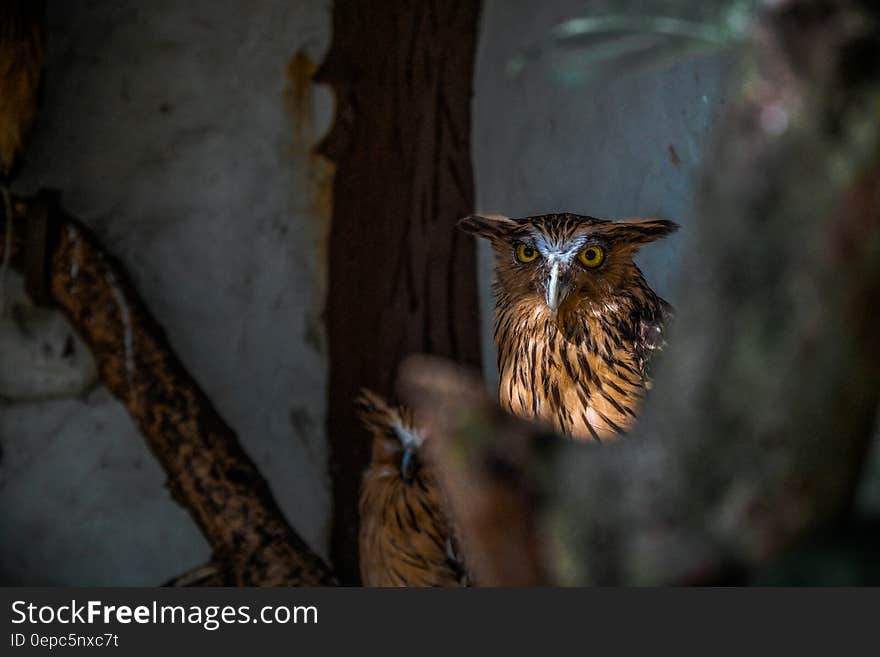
401 278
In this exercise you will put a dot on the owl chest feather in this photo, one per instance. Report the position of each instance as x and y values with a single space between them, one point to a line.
584 380
404 534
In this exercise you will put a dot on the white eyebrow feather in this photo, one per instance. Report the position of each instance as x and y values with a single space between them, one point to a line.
407 438
554 250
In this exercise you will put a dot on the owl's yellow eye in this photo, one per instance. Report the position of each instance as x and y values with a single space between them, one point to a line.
525 253
592 256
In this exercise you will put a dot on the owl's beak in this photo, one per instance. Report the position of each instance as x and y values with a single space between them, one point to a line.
556 289
409 463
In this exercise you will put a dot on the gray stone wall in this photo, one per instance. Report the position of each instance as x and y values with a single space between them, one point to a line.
167 127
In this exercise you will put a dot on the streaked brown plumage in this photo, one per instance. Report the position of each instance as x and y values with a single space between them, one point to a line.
575 320
22 53
405 535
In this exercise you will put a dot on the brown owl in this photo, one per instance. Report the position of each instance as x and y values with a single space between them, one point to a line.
406 538
575 320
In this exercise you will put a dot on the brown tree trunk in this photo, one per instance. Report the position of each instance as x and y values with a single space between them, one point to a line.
401 278
208 472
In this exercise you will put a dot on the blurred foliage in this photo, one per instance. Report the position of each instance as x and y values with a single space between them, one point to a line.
621 37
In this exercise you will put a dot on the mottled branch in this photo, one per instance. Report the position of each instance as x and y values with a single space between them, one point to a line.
208 472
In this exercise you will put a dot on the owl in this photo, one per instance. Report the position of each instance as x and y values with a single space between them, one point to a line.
406 538
575 320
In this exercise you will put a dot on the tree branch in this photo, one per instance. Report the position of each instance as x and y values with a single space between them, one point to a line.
208 472
495 486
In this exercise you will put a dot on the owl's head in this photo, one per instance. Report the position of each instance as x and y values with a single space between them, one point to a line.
563 261
396 439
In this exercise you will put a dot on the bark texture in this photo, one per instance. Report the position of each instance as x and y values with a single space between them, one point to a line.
208 472
401 278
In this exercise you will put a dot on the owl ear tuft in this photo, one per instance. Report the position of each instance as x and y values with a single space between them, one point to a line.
641 231
373 411
488 226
